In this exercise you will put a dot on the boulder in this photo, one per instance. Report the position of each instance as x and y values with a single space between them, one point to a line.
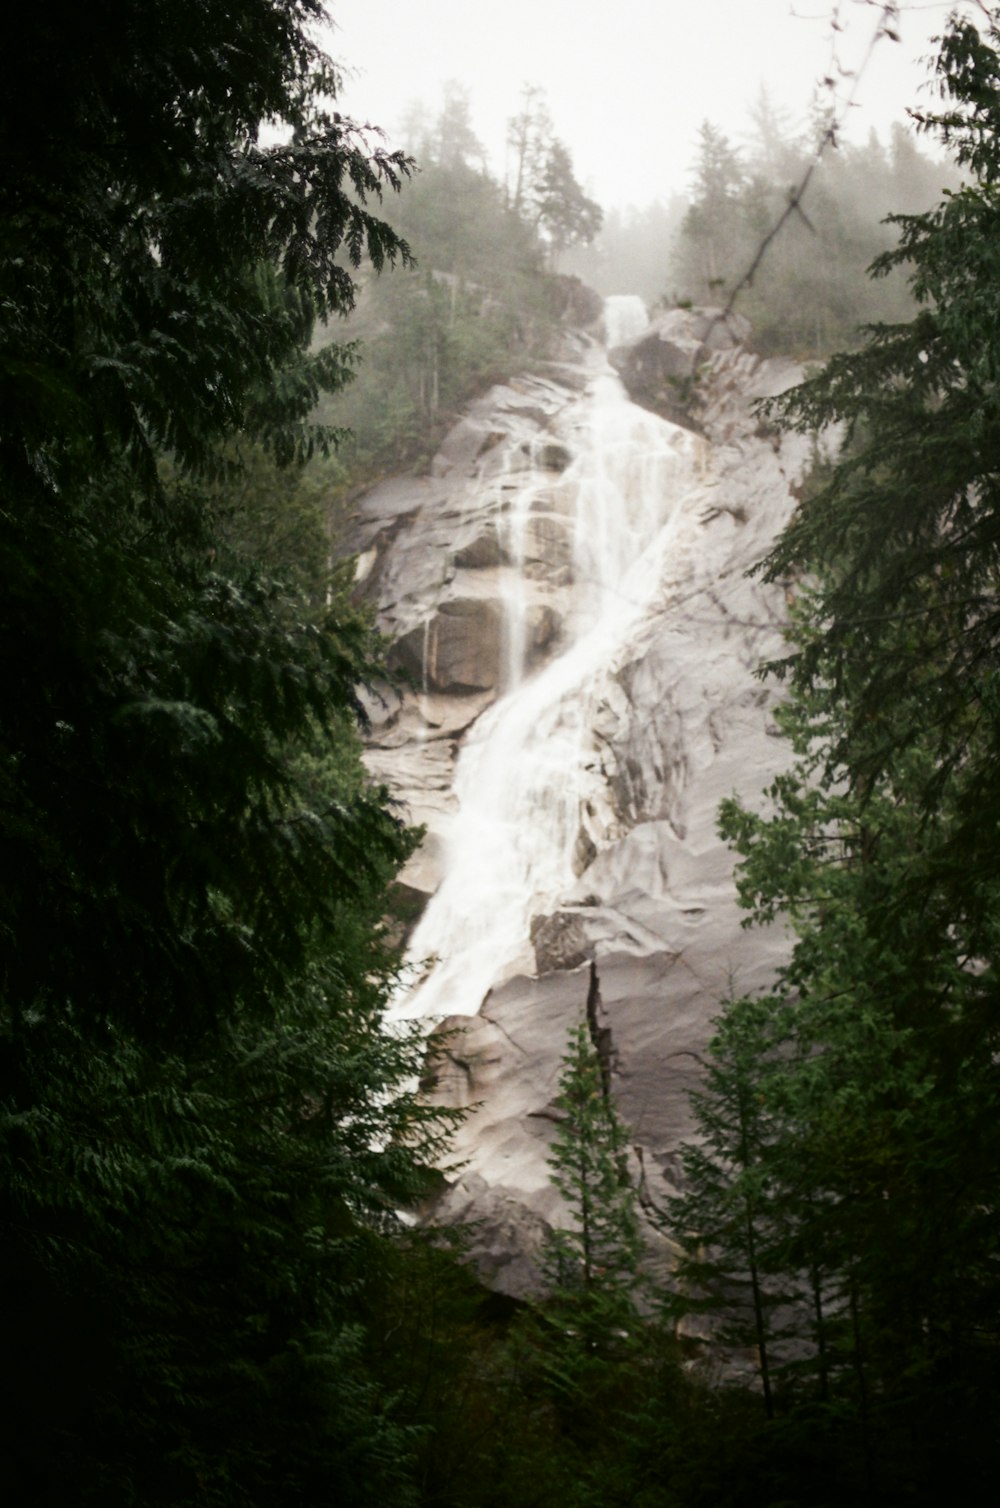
543 625
483 550
462 647
560 941
458 649
659 368
573 301
548 541
553 456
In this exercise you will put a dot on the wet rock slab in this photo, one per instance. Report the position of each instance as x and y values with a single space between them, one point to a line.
679 722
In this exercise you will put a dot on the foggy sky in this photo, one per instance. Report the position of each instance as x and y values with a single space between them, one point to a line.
628 81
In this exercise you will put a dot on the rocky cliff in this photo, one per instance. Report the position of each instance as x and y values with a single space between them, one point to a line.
567 592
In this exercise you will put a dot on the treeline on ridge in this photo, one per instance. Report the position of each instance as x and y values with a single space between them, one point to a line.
484 297
811 293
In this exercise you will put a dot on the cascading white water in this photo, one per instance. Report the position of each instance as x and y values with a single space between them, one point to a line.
527 766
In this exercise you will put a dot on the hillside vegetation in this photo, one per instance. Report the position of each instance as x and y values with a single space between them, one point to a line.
483 298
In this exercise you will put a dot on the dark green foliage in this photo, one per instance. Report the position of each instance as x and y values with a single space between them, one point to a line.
188 1236
903 636
474 1375
729 1219
607 1372
160 269
880 1093
879 1089
592 1264
205 1132
434 337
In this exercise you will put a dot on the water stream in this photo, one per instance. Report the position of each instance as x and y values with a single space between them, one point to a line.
528 765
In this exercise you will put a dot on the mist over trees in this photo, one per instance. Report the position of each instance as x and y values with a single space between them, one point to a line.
484 296
811 292
632 253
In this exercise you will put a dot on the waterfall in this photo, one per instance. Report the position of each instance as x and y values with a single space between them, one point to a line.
528 778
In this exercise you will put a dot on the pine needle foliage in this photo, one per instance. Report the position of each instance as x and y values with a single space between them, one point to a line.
591 1264
728 1218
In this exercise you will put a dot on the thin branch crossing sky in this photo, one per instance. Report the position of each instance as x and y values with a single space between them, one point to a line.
630 81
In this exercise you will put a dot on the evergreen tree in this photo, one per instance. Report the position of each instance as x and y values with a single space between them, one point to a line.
710 228
205 1133
728 1220
878 843
810 291
592 1264
564 212
885 1221
529 134
592 1350
481 303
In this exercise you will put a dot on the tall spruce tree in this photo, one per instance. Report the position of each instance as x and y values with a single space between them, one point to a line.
565 214
594 1348
728 1220
591 1264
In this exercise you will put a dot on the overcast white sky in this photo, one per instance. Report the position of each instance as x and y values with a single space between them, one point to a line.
628 81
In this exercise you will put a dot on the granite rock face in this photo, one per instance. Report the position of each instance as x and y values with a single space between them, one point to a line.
574 720
658 369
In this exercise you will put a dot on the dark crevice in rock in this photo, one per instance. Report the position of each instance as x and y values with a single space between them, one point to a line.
599 1035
